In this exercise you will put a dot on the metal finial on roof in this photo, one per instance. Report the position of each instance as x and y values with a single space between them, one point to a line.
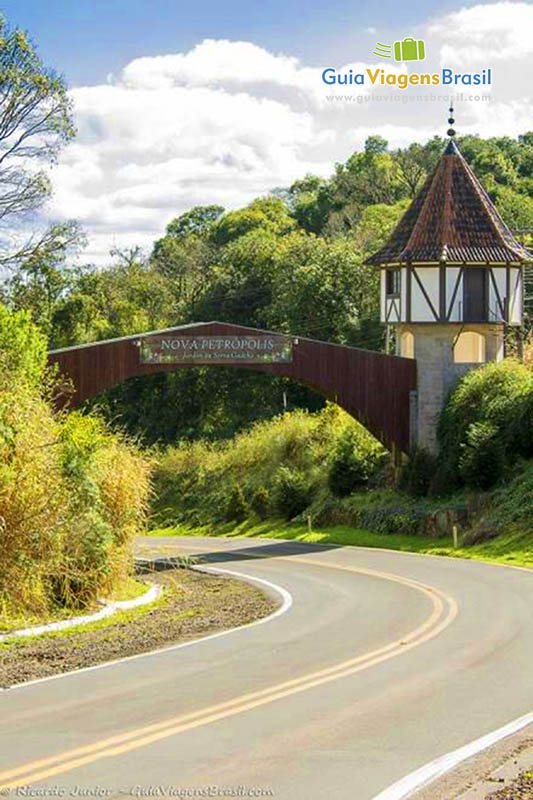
451 120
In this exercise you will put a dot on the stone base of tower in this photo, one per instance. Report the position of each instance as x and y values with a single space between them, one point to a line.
443 354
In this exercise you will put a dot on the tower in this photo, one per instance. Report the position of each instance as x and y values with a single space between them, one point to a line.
451 283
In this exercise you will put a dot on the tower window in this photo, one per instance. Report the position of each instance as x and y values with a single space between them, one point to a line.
475 294
407 345
393 281
469 348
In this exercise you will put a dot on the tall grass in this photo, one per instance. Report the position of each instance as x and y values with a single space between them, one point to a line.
273 469
72 494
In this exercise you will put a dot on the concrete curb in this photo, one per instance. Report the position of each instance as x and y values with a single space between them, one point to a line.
285 606
107 611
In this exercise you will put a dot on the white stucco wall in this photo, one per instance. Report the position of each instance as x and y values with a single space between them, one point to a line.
420 309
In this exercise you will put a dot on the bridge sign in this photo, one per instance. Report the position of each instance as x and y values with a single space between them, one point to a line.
250 349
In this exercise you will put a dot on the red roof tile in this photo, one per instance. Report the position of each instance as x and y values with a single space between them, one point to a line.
452 219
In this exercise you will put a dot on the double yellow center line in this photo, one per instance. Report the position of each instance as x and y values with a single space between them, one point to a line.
444 610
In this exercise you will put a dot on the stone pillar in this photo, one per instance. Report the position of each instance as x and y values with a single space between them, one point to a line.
437 372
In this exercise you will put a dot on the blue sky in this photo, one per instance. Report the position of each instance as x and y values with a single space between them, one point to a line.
87 39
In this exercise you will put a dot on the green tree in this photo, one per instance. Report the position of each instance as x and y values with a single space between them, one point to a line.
35 121
322 290
265 213
199 220
310 203
374 145
186 253
525 162
23 350
42 279
491 164
126 298
515 208
364 179
415 163
376 224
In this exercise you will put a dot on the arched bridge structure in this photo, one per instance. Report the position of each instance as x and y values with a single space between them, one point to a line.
373 387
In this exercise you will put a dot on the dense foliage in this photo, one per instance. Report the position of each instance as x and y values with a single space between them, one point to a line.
511 506
291 261
72 494
486 425
275 469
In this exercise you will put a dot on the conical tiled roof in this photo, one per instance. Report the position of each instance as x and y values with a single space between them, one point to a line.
452 219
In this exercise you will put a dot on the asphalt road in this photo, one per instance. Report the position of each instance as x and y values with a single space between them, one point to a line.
383 662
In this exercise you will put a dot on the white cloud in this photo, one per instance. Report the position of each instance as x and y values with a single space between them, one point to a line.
486 33
217 63
228 121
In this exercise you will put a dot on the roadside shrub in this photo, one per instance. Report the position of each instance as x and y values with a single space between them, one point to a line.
520 428
391 520
382 510
482 459
416 475
506 511
260 502
236 506
499 396
355 459
72 495
23 350
445 480
512 503
291 492
33 499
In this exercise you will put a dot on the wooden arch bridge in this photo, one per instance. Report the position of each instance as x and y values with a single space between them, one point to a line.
372 387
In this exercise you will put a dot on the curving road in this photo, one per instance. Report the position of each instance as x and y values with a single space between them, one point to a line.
383 662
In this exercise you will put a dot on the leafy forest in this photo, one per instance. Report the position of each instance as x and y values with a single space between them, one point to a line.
292 261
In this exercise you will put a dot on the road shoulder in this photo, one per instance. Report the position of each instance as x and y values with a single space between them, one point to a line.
494 774
194 605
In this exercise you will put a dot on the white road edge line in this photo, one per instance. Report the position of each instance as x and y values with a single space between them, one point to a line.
284 607
420 778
